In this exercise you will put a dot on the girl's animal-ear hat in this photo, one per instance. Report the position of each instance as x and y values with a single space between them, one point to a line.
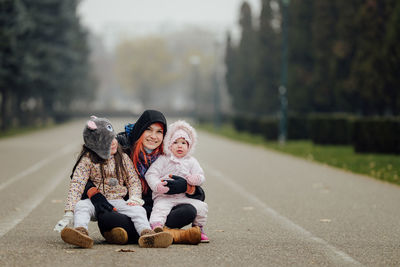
98 135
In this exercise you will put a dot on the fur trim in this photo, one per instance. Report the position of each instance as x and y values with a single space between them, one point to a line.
180 125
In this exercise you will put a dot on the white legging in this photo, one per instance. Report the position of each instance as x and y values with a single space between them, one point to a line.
84 212
163 205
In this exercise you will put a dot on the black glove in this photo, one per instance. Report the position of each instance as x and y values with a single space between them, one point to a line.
101 204
177 185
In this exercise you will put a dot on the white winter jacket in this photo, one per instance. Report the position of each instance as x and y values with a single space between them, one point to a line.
169 164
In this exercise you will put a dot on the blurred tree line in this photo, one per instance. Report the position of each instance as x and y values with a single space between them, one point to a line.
44 60
170 72
343 57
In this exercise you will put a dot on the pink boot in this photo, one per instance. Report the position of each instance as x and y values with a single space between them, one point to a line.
204 237
157 227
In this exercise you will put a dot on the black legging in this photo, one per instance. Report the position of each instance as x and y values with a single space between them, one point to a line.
179 216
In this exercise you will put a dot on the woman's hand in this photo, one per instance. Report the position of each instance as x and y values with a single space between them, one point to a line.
177 185
99 201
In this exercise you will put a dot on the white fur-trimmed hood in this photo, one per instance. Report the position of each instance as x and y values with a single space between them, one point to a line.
174 127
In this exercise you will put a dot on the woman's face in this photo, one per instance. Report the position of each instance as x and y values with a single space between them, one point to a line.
153 136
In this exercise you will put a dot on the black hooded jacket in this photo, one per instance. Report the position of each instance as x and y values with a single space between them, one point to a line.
145 120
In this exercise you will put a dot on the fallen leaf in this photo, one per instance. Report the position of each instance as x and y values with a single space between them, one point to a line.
219 231
325 220
125 250
56 201
70 251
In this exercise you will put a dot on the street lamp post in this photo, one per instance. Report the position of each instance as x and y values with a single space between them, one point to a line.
284 75
217 97
195 61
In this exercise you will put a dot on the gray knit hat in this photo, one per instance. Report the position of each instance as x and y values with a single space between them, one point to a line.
98 135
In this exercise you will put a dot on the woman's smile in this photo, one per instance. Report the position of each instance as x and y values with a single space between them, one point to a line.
153 136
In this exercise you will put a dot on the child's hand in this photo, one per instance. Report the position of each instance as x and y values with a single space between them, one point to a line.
135 201
67 219
162 188
194 179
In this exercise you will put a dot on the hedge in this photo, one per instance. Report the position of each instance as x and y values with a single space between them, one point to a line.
331 129
265 126
298 127
377 135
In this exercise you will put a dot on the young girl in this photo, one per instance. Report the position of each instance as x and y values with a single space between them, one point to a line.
112 172
179 144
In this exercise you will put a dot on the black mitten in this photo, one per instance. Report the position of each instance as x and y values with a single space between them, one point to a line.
89 185
177 185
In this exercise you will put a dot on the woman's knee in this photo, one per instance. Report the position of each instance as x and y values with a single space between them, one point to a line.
109 220
181 215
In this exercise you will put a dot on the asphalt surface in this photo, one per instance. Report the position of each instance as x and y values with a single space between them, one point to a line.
265 209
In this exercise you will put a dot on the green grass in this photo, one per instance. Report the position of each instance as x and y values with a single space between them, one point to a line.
24 130
381 166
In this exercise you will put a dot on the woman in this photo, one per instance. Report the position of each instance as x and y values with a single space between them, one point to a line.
142 141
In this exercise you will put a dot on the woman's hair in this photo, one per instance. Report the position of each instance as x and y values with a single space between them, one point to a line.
138 149
120 170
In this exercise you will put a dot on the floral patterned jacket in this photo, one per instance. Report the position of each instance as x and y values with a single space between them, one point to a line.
113 188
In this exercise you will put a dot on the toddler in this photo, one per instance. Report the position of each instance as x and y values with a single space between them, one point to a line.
179 144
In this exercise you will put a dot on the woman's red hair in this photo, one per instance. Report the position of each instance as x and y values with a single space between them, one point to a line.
139 148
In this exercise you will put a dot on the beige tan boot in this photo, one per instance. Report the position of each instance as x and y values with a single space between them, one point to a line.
78 236
117 235
150 239
185 236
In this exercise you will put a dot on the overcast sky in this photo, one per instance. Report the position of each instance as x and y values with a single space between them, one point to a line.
110 18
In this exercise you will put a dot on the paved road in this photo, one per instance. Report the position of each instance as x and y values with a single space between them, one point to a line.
266 209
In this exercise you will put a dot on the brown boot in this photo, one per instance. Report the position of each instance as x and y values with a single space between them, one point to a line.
150 239
117 235
78 236
185 236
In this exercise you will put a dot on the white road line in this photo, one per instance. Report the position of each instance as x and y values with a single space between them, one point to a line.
22 211
335 254
65 150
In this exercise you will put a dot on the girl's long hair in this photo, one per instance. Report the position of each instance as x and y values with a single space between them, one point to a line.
138 149
120 170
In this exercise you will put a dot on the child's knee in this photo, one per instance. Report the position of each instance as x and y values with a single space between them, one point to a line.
83 205
138 210
202 207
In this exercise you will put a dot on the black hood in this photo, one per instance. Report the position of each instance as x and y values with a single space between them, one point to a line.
146 119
